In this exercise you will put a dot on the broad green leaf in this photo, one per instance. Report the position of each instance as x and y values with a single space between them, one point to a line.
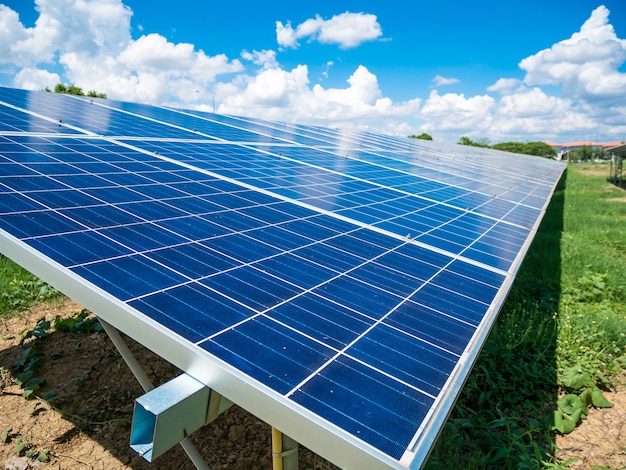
19 444
23 378
34 365
585 397
4 437
50 396
35 381
599 400
575 378
565 423
570 403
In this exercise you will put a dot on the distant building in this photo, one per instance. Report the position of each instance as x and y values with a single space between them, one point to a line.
562 148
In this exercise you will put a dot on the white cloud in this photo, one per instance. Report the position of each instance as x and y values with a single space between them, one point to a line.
265 58
154 53
79 26
443 81
505 86
453 111
35 79
88 43
347 30
287 95
271 88
91 40
533 112
532 103
586 64
25 46
327 67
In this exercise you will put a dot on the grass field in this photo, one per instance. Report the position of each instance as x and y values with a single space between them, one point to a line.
560 332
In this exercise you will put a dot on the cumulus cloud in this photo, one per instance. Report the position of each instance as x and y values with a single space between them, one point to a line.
35 79
453 111
532 103
91 41
347 30
586 64
265 58
85 27
443 81
88 43
287 95
533 112
505 86
25 46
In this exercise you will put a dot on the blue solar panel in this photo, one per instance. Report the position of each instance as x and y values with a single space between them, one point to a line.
338 285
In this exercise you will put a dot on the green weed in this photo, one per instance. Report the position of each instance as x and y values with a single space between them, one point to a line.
19 289
31 358
559 341
22 447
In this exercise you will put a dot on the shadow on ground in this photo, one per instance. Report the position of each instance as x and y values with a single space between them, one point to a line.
504 414
90 425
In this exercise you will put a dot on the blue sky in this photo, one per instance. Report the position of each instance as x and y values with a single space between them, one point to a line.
532 70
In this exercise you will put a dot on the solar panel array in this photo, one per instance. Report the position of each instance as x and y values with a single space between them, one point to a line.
338 285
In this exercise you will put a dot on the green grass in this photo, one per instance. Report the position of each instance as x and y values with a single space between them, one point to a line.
561 330
19 289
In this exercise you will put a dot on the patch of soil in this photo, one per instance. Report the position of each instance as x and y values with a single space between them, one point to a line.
90 427
600 441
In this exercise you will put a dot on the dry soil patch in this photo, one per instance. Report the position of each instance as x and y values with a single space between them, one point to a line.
91 427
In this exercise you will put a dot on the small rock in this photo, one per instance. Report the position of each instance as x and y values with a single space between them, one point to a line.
21 463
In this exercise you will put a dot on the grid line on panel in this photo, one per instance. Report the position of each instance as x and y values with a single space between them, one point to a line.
327 266
335 236
307 204
445 202
33 123
262 129
311 289
374 325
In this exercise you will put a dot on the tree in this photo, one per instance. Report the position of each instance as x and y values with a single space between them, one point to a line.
540 149
586 153
514 147
481 142
423 136
95 94
75 90
60 88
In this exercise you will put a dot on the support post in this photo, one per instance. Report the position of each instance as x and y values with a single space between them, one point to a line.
147 385
284 451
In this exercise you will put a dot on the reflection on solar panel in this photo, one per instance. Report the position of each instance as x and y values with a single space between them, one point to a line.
338 285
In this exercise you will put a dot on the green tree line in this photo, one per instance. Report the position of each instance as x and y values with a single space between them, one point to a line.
540 149
75 90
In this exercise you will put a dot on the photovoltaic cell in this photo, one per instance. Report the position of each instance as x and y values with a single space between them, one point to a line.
336 284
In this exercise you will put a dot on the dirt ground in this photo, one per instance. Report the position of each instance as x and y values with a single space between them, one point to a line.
600 441
90 427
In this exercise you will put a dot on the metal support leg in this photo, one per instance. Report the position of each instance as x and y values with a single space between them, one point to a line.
284 451
147 385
